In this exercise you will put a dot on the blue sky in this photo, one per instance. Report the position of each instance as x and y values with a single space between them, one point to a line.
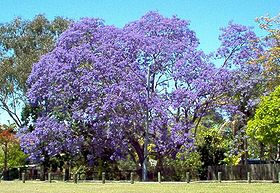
206 16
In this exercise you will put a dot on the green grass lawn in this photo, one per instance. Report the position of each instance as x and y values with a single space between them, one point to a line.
60 187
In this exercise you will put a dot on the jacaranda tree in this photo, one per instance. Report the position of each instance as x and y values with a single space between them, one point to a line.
101 86
240 48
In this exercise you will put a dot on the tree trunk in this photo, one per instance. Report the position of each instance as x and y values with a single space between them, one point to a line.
159 166
66 171
42 172
246 152
261 150
278 152
140 154
5 168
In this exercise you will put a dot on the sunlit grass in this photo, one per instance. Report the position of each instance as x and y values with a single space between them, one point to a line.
60 187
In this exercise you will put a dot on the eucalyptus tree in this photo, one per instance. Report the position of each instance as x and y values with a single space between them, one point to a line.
22 43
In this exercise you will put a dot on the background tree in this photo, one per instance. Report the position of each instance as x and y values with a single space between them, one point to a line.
22 43
10 152
270 62
240 47
265 125
271 57
212 141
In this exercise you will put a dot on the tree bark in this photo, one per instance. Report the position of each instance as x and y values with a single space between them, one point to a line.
261 150
5 168
66 171
42 172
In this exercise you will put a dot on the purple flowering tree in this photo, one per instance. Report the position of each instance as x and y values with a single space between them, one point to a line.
101 85
240 48
50 138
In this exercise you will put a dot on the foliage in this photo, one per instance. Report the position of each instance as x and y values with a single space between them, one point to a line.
22 43
175 169
270 58
126 165
236 148
10 152
265 126
239 47
50 138
29 114
212 146
16 157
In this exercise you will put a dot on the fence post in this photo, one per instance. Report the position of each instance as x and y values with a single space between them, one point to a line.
64 176
188 177
23 177
220 177
159 177
50 177
18 173
75 178
249 177
132 178
103 177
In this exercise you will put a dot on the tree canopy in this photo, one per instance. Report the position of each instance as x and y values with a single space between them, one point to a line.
270 58
10 152
265 125
22 43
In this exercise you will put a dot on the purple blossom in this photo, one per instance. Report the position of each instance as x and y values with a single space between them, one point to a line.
49 138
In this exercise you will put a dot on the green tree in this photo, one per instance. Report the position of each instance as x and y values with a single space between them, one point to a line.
22 43
265 125
10 152
212 146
